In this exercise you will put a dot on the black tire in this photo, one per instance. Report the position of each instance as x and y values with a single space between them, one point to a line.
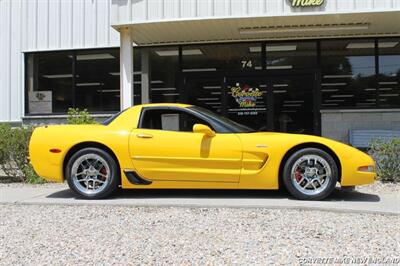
326 189
114 173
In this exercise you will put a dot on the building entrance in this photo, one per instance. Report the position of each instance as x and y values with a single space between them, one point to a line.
264 102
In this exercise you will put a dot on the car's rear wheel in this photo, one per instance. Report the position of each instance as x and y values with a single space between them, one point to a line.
310 174
92 173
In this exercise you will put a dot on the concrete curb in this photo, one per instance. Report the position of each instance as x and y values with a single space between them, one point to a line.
340 202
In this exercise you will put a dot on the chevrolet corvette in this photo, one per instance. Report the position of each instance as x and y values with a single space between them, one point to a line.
179 146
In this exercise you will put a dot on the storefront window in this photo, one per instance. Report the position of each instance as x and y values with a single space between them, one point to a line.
164 65
205 92
86 79
89 79
348 74
389 72
97 80
49 82
291 55
208 58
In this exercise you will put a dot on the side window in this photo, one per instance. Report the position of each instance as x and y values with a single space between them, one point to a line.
171 120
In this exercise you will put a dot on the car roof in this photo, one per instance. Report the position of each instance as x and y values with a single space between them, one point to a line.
182 105
131 115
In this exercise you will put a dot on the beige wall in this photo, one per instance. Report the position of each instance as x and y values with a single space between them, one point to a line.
336 124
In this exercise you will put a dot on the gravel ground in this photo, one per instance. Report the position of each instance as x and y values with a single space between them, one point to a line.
380 187
104 235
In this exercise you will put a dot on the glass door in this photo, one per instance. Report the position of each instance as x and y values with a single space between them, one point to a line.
294 104
204 92
264 102
247 101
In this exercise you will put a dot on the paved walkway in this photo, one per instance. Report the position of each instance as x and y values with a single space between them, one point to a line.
339 201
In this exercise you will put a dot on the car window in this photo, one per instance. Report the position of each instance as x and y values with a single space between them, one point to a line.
222 124
112 118
171 120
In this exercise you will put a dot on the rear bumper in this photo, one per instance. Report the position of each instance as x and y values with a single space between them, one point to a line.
46 164
49 173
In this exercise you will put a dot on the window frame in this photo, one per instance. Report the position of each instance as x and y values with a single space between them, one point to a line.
172 108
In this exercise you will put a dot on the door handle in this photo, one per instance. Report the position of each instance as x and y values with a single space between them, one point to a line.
144 136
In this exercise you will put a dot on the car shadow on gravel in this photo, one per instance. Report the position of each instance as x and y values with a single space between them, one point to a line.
337 195
355 196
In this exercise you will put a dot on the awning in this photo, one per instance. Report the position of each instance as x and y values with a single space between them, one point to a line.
289 27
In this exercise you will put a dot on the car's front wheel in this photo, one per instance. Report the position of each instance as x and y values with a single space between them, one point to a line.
92 173
310 174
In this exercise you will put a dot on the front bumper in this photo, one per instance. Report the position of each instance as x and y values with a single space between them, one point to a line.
359 178
352 175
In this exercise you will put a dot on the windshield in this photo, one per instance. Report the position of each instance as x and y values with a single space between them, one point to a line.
229 125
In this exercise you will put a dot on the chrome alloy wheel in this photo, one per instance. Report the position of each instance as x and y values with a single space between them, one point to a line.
90 173
311 174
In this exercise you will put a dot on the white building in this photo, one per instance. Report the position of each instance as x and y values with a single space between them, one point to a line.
323 68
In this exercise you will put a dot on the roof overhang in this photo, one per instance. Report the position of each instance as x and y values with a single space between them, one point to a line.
288 27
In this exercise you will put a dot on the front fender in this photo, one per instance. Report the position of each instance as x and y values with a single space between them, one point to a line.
276 146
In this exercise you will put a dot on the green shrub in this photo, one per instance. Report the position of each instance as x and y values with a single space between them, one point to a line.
31 176
5 159
387 157
4 133
14 148
7 164
79 117
14 154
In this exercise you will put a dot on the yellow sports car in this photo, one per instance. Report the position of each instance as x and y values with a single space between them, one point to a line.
183 146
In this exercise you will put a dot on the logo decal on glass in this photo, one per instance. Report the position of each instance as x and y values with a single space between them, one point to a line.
246 96
40 96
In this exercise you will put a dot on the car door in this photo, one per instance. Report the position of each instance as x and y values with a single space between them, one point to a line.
164 148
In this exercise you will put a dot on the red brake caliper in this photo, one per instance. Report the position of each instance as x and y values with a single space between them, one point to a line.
104 172
298 175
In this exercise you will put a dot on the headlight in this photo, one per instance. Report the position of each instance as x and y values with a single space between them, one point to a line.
369 168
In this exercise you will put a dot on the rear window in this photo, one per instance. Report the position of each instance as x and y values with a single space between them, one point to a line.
112 118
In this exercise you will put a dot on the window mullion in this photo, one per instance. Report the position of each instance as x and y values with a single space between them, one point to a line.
377 71
73 80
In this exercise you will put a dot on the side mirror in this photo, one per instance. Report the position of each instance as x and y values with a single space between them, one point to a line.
203 129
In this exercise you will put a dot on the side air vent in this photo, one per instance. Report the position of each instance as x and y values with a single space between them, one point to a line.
134 178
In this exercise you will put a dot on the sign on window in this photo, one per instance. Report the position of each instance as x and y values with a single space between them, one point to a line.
40 102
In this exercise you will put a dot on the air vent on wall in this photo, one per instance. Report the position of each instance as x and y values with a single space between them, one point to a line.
304 28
